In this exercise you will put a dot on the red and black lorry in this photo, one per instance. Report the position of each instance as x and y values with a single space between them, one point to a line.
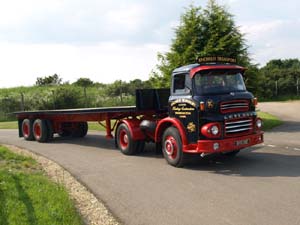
207 110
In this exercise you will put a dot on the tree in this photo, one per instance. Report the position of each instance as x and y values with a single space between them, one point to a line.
280 78
48 80
202 32
117 89
66 97
84 82
137 84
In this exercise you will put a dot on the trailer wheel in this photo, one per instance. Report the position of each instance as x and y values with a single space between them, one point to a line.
50 129
65 129
40 130
27 130
81 129
124 140
172 147
84 129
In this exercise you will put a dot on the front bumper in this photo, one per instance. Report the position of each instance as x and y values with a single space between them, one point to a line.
225 145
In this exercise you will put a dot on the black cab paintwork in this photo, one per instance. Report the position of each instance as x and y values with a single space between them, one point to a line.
184 101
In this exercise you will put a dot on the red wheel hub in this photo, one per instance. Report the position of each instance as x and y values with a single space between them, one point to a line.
25 129
171 147
37 131
123 139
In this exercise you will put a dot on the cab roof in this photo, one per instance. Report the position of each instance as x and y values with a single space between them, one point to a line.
195 68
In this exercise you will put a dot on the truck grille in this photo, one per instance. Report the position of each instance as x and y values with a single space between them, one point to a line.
241 126
234 106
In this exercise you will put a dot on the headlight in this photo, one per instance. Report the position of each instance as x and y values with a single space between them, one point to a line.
211 130
214 130
259 123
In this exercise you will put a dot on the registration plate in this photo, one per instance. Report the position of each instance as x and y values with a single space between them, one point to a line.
242 142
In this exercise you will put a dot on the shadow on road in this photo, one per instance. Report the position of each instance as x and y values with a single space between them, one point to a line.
251 163
248 162
287 126
91 140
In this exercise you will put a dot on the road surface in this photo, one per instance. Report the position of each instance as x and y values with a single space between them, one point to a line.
260 186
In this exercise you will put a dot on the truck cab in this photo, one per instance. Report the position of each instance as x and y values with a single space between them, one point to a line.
213 110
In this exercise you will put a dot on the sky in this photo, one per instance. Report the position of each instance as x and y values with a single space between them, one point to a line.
119 39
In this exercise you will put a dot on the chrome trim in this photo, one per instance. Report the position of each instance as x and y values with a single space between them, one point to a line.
237 130
239 125
239 121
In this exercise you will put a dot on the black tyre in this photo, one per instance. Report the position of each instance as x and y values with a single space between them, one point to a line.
231 154
65 130
84 127
140 146
40 130
124 140
172 147
80 130
50 130
27 131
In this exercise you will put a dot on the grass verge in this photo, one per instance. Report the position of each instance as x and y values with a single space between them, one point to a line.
269 121
9 125
27 196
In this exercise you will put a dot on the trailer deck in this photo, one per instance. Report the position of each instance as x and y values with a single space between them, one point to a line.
149 103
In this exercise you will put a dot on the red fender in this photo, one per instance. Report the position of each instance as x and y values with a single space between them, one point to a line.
134 128
166 122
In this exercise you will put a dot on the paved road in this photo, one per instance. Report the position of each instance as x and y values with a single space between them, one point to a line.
287 135
260 186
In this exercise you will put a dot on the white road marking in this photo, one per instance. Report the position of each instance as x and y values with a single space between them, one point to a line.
286 147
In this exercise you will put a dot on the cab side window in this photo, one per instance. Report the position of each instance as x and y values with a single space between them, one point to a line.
179 84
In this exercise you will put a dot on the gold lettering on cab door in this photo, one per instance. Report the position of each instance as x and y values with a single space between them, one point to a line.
183 107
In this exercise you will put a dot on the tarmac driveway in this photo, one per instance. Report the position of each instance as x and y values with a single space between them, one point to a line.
260 186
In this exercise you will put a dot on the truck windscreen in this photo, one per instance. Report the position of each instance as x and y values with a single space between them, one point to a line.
218 82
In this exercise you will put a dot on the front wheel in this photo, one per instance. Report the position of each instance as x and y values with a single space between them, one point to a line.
172 147
124 140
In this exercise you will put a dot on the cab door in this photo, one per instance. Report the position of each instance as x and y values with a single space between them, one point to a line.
183 107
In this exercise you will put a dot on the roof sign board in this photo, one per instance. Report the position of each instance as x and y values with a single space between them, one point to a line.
216 59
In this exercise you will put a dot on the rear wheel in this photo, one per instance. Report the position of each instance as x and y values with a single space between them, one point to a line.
124 140
172 147
27 130
84 129
65 129
50 129
140 146
80 130
40 130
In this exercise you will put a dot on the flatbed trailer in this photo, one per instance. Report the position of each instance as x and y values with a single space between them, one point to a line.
59 118
150 103
206 111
